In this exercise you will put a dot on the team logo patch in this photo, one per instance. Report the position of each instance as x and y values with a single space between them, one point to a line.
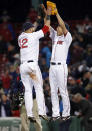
60 42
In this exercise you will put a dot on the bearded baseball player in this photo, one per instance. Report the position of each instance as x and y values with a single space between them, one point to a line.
61 40
28 42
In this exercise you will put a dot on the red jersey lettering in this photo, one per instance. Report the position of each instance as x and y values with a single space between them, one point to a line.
23 43
60 42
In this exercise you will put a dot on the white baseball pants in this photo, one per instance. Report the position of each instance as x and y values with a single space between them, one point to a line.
28 83
58 80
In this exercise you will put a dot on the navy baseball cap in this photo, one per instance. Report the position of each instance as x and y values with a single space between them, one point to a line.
27 25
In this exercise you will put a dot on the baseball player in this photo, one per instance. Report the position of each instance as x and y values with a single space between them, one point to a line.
28 42
61 40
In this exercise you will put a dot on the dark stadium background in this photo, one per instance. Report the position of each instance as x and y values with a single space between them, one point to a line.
78 14
70 9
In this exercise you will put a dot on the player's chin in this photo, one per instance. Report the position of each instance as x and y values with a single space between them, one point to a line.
33 30
59 33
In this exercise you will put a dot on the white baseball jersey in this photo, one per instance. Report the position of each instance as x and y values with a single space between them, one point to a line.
60 46
58 72
29 50
29 45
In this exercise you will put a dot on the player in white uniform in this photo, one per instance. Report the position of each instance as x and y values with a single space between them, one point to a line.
28 42
61 40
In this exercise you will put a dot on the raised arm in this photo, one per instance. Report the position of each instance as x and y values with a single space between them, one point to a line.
47 16
61 23
46 26
37 22
40 17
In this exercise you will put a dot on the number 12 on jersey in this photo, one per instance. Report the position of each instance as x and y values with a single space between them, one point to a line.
23 43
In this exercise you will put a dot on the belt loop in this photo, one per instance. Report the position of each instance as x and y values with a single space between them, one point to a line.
27 61
58 63
53 63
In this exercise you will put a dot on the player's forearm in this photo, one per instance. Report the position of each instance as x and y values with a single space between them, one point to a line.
45 29
37 22
60 21
47 20
47 17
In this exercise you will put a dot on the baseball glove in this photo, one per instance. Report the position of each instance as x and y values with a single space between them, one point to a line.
53 7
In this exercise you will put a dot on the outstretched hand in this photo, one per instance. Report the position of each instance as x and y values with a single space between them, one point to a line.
46 11
43 7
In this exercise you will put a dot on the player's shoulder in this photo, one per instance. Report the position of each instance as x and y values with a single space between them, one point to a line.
68 35
53 30
38 32
23 34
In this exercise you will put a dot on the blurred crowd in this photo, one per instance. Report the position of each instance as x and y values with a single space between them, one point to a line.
79 61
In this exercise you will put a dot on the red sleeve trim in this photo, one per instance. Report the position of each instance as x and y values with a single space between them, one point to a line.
45 29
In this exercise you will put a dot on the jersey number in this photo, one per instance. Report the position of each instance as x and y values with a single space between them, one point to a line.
23 43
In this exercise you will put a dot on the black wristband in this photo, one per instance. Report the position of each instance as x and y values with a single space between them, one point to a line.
48 17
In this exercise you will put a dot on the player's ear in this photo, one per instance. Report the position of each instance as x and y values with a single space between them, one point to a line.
34 28
30 29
